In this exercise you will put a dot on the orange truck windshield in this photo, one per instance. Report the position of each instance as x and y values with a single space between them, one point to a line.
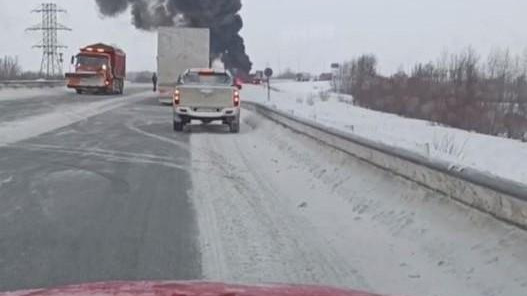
91 61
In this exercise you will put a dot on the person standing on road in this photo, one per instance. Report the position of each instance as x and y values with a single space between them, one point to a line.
154 81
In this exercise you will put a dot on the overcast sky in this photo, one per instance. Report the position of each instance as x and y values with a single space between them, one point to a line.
305 35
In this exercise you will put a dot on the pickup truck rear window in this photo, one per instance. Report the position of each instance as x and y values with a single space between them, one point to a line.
207 78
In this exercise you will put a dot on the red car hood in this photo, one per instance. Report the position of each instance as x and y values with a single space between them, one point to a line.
185 289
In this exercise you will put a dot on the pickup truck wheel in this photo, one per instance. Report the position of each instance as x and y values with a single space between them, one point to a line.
234 126
79 91
178 126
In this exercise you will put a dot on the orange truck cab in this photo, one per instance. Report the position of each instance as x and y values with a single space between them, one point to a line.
98 68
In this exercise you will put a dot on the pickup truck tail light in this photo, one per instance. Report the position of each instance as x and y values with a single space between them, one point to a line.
177 97
236 98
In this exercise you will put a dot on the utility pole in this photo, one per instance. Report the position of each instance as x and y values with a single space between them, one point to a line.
52 60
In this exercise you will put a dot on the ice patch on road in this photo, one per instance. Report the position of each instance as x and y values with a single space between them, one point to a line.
6 181
107 155
14 131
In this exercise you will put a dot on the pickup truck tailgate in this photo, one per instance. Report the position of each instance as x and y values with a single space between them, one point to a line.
206 97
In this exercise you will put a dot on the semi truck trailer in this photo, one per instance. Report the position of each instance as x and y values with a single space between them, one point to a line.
179 49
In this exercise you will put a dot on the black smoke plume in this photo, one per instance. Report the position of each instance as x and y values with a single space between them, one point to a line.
220 16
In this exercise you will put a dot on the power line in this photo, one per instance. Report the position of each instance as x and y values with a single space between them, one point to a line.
52 59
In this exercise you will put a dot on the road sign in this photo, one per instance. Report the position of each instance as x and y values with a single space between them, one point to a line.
268 72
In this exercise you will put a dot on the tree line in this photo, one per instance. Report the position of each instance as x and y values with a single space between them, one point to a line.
463 90
10 69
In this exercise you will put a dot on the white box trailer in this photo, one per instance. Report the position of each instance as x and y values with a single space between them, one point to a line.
179 49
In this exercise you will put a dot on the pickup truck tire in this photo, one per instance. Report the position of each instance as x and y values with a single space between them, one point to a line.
178 126
234 126
79 91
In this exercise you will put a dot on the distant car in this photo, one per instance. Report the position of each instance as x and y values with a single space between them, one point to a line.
207 95
258 77
303 77
325 77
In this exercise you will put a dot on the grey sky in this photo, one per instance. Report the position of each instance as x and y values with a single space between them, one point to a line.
305 35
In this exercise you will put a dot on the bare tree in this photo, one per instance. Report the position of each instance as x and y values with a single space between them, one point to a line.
9 68
457 90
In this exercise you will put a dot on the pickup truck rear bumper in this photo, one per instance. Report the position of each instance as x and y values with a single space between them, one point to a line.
189 113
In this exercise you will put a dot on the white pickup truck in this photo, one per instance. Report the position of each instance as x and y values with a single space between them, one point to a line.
207 95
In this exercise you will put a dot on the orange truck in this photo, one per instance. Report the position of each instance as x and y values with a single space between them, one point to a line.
99 68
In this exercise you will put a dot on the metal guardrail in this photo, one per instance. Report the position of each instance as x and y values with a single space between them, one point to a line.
502 198
31 83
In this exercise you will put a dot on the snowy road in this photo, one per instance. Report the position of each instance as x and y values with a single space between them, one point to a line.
20 103
118 195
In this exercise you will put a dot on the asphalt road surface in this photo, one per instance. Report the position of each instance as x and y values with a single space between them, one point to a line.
99 188
13 109
95 201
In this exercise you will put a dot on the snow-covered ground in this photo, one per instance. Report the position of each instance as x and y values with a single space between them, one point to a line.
21 93
24 93
276 206
28 127
311 100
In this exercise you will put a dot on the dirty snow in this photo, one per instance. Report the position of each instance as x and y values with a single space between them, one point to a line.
275 206
7 94
28 127
498 156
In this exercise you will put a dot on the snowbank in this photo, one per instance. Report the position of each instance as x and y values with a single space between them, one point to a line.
312 100
7 94
275 206
28 127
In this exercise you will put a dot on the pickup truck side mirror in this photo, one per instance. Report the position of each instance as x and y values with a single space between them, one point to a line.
72 60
